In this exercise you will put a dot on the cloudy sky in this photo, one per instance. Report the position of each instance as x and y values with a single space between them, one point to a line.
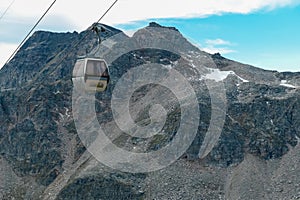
263 33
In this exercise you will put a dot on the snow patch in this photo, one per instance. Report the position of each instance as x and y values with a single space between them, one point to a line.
285 84
168 66
67 112
65 115
217 75
174 62
298 139
242 79
194 66
61 115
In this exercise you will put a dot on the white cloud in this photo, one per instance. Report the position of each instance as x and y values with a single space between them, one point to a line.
133 10
221 50
6 50
78 15
217 42
217 46
130 32
84 13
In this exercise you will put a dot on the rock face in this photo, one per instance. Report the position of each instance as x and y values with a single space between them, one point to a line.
42 156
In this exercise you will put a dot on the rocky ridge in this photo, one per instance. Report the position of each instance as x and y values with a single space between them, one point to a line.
42 156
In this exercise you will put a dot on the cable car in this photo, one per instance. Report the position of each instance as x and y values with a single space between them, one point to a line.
92 72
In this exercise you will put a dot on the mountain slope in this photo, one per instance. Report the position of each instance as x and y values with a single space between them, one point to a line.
40 146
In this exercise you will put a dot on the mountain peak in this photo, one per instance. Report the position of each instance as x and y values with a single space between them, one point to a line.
154 24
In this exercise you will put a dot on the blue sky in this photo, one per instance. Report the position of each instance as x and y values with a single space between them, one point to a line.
267 39
261 33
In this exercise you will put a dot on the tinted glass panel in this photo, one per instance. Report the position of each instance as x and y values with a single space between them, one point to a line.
95 67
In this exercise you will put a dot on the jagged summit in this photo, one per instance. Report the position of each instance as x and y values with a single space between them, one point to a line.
154 24
163 37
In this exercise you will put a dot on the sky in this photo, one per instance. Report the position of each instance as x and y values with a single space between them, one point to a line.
263 33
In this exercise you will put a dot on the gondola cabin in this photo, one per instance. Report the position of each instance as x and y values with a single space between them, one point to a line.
93 72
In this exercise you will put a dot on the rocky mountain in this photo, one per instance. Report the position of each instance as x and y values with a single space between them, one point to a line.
252 152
